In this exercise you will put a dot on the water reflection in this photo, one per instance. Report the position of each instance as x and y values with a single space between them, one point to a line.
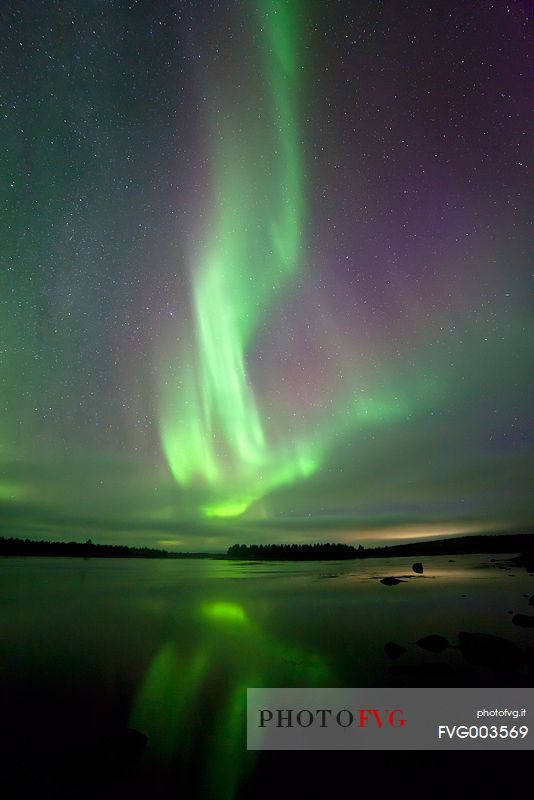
170 647
192 701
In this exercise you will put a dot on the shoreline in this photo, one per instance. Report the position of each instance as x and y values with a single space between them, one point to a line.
522 543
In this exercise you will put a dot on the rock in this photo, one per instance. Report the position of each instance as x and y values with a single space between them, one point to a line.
463 595
391 581
394 650
439 669
525 560
418 568
452 561
434 643
523 620
509 612
485 650
493 560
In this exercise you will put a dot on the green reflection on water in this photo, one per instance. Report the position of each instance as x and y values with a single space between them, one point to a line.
163 704
225 612
192 705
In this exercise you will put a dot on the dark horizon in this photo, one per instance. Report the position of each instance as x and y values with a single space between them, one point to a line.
489 543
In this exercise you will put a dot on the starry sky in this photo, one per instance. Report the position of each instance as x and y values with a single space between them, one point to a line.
265 271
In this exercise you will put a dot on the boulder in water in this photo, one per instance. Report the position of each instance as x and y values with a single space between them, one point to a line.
391 581
418 568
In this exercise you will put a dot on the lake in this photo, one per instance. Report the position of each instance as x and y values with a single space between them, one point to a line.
89 648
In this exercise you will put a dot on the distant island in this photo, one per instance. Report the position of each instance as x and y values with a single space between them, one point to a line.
497 543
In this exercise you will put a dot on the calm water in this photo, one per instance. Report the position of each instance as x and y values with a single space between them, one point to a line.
169 647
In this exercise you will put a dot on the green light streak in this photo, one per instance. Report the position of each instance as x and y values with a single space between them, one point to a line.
225 612
231 657
211 426
216 436
230 508
163 705
228 758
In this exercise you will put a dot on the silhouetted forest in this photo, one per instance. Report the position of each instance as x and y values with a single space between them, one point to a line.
461 545
295 552
500 543
28 547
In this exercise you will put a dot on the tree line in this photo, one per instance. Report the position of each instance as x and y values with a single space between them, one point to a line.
29 547
297 552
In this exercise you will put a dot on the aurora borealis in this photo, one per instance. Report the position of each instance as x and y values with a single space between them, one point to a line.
265 271
211 425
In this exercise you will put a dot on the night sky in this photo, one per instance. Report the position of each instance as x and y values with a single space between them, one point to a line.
265 270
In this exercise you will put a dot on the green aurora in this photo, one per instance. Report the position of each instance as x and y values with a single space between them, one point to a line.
231 652
257 285
212 428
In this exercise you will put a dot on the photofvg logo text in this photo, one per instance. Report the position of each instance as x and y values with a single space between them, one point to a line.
328 717
393 718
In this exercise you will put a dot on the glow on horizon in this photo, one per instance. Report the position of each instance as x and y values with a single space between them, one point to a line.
410 533
404 534
171 542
